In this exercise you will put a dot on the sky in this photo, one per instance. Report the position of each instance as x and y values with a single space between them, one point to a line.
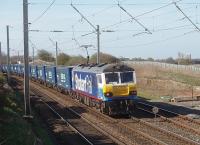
121 36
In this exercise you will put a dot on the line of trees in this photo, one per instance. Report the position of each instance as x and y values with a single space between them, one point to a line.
65 59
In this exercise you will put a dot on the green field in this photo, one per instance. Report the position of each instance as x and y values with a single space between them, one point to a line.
182 78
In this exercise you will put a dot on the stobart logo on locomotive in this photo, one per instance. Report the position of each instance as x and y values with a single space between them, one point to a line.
83 83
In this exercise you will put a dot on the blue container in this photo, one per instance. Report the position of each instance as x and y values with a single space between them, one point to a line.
15 68
64 75
20 69
34 71
41 73
50 74
12 68
3 68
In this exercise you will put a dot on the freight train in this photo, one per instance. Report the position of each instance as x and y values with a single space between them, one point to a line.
111 88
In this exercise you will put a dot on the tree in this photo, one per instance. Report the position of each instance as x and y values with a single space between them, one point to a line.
45 55
74 60
3 58
170 60
150 59
63 58
104 58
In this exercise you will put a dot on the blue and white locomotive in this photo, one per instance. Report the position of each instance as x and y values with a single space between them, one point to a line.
108 87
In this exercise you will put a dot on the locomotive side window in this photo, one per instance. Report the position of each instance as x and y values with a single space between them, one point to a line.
126 77
99 79
112 78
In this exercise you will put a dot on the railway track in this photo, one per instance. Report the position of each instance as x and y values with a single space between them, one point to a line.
55 121
157 132
194 124
80 138
83 126
128 131
107 125
171 121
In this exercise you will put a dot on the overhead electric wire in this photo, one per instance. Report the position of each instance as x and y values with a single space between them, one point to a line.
138 15
44 12
146 29
187 17
135 17
140 33
33 45
156 9
155 42
56 31
74 38
142 15
110 4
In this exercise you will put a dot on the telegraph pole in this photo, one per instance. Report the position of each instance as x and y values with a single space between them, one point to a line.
33 55
18 57
8 55
26 62
56 53
98 45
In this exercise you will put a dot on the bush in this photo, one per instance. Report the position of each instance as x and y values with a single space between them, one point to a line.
104 58
74 60
45 56
63 58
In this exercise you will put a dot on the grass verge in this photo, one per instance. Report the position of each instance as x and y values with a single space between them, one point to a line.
14 130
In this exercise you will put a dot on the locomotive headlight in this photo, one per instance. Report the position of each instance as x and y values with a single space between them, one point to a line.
132 89
107 90
108 94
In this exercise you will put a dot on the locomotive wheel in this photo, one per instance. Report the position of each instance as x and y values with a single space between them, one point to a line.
101 108
109 111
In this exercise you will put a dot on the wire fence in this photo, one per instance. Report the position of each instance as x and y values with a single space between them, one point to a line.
173 67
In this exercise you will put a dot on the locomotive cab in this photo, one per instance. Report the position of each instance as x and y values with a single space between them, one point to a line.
119 84
119 89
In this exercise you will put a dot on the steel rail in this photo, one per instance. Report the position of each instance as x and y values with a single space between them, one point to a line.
172 121
85 119
120 125
65 120
163 131
173 113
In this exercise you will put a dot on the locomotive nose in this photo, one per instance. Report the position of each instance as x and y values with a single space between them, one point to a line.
119 90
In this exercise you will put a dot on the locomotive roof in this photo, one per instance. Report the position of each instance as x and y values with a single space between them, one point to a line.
102 68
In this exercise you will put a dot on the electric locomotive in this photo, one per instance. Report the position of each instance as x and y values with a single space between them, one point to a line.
109 87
